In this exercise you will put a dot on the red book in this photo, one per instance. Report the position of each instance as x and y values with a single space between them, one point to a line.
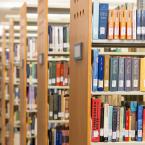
58 73
144 124
127 121
96 113
66 73
61 74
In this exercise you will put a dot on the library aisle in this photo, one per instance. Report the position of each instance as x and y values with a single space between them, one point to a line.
72 72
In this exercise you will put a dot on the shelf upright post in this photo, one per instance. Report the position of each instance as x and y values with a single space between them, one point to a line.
23 76
11 82
42 90
3 88
80 72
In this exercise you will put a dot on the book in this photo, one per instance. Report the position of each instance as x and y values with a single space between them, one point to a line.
102 124
135 73
103 20
144 124
95 19
128 66
127 124
96 111
95 71
121 73
143 25
106 72
142 76
134 23
100 73
139 122
123 24
116 24
113 74
111 24
138 24
110 113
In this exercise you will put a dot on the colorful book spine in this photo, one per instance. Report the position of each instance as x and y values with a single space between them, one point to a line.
127 123
100 73
103 20
138 24
95 71
96 111
142 76
111 25
139 123
144 124
110 123
96 20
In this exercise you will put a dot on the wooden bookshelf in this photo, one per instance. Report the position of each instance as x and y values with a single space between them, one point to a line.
11 83
42 94
3 135
23 75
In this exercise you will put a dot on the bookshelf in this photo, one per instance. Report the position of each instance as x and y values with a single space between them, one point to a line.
28 78
3 135
81 19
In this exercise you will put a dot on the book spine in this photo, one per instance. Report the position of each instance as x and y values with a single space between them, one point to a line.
110 123
95 19
102 124
142 76
114 74
122 24
138 24
111 24
106 118
144 124
96 111
116 24
127 122
135 73
121 74
100 73
106 72
143 24
118 124
134 23
128 64
95 71
103 20
139 123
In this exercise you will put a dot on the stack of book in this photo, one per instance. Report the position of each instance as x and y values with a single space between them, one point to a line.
59 73
116 73
58 38
58 105
125 22
59 135
125 122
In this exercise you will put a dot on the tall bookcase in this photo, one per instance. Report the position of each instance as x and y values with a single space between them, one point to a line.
80 115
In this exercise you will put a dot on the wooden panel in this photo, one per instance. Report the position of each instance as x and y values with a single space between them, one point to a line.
11 83
80 73
3 89
42 99
23 76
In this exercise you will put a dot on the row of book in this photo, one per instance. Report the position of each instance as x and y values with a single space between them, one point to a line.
32 50
117 123
16 52
122 22
59 73
58 38
32 70
58 105
117 73
59 135
31 97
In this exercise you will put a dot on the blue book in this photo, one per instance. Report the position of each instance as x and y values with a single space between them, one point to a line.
100 73
139 122
95 70
138 24
95 19
103 20
57 137
143 24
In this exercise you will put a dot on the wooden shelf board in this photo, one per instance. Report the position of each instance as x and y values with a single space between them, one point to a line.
118 143
58 59
119 93
58 87
58 53
123 53
58 121
118 43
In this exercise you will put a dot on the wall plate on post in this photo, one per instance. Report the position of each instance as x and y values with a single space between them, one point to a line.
78 51
41 58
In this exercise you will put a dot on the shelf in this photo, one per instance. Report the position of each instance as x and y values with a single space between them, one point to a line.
118 43
58 53
31 59
58 121
58 87
58 59
123 53
119 143
136 93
